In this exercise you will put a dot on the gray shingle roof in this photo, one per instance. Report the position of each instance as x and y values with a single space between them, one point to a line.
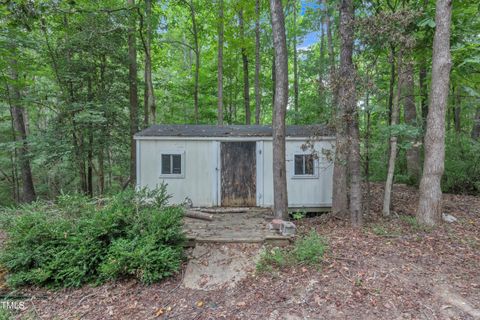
172 130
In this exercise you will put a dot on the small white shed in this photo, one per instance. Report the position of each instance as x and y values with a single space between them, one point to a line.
232 165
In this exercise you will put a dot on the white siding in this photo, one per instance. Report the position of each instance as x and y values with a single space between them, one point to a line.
302 192
199 177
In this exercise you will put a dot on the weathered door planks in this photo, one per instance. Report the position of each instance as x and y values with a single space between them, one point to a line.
238 174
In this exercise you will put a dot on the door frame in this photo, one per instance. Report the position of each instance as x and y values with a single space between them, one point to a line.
217 170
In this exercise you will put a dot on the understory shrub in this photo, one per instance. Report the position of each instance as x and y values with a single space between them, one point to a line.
77 240
462 163
308 249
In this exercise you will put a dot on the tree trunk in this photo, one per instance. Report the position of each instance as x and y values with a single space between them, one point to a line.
274 80
321 69
295 58
101 169
429 210
392 83
258 98
422 79
246 84
343 92
348 103
280 197
331 58
132 77
17 112
150 108
220 64
458 110
393 140
196 50
476 125
410 115
90 142
90 163
368 132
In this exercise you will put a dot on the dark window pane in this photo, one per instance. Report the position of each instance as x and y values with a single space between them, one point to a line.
309 162
166 168
298 164
177 164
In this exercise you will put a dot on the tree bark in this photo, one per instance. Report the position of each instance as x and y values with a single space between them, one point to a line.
90 163
343 91
197 60
295 58
280 197
246 84
17 112
391 87
422 79
258 98
429 210
476 125
410 115
348 103
150 108
393 140
196 51
273 79
458 110
331 58
368 128
133 93
220 64
321 68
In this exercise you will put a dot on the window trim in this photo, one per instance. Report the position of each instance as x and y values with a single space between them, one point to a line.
182 164
304 176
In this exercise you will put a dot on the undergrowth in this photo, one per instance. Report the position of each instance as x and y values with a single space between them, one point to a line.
307 250
77 240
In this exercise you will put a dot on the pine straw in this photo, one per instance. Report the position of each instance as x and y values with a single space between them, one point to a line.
390 269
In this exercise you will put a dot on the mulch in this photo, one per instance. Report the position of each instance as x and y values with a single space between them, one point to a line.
390 269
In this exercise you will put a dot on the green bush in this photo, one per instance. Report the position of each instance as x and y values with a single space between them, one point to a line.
270 259
462 169
5 314
310 248
462 158
77 240
307 250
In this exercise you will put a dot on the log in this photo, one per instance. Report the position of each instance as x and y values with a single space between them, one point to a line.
224 210
198 215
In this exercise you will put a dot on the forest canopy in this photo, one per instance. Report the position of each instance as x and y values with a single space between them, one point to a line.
69 69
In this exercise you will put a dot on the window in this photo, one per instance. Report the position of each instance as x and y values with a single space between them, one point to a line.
304 165
172 164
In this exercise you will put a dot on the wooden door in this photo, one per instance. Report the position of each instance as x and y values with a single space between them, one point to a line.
238 174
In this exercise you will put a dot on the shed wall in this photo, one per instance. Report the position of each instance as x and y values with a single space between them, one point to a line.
199 173
302 191
201 179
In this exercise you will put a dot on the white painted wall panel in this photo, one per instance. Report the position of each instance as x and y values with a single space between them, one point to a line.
199 176
302 192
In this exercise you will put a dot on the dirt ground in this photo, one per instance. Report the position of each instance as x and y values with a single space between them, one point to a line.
390 269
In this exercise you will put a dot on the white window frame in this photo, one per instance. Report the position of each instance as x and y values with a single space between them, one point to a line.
182 164
305 176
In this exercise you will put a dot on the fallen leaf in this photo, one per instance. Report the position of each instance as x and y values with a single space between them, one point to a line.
159 312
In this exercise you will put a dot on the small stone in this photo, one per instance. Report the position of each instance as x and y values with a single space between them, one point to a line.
275 224
288 228
448 218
